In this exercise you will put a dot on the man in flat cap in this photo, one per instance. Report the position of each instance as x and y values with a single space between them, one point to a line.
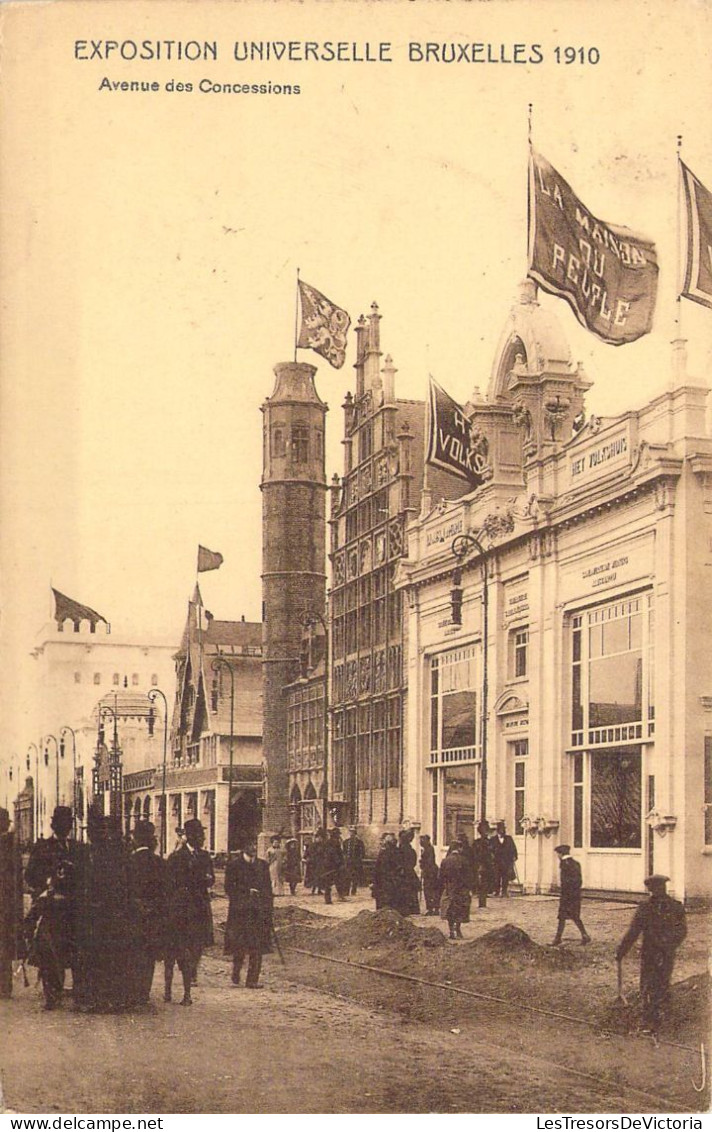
570 895
190 921
147 904
51 876
661 922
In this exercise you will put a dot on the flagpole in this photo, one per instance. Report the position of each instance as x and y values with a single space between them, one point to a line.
680 281
296 318
530 110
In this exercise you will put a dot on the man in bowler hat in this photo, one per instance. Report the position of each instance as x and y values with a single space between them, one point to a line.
249 928
147 905
51 876
661 922
190 920
570 896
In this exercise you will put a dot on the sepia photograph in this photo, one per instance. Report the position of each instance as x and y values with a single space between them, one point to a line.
355 561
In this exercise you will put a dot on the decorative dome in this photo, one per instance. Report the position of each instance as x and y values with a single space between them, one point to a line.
532 339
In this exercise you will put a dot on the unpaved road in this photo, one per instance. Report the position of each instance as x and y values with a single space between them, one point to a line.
292 1049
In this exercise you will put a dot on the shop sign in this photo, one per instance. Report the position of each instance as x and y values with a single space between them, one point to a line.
443 534
516 601
599 457
515 723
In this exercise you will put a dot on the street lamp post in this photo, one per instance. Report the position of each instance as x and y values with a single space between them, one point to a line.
62 732
115 772
219 663
461 547
152 695
36 792
45 741
310 619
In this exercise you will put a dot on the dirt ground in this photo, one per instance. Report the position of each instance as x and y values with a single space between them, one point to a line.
329 1037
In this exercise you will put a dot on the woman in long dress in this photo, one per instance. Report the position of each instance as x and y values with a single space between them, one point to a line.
275 860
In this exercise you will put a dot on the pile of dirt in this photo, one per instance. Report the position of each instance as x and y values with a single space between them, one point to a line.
292 914
688 1011
382 932
511 947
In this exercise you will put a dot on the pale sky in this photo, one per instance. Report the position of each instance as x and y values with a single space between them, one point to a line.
151 242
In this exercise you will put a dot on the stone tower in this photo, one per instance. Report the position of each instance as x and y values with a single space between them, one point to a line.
293 555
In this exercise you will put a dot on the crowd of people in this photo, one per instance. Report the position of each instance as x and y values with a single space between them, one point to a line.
479 868
109 910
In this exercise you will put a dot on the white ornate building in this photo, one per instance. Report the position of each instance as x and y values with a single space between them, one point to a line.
579 684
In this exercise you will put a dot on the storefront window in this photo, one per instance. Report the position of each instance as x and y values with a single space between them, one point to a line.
611 673
454 728
460 789
616 799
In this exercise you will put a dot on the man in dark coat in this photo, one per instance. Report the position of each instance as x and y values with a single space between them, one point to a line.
504 854
249 926
387 874
409 893
190 920
661 922
455 876
292 865
332 865
354 853
102 919
430 876
570 897
147 903
483 864
51 878
10 904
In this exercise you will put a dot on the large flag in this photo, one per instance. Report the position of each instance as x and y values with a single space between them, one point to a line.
208 559
608 275
66 609
323 325
455 444
698 269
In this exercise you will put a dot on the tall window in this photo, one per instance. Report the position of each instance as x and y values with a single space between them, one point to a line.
519 749
611 684
454 726
337 752
455 742
393 745
279 443
616 799
300 444
379 745
518 648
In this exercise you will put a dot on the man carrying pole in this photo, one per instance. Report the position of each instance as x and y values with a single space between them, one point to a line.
661 922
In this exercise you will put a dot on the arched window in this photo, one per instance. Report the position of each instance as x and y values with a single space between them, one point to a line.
279 443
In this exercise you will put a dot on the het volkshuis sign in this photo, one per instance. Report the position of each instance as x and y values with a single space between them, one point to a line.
608 275
601 455
455 444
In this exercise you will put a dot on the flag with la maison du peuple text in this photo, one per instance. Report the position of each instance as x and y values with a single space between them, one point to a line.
608 275
323 325
698 268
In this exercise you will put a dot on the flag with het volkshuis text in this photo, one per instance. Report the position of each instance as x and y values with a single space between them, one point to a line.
608 275
323 325
698 267
455 444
